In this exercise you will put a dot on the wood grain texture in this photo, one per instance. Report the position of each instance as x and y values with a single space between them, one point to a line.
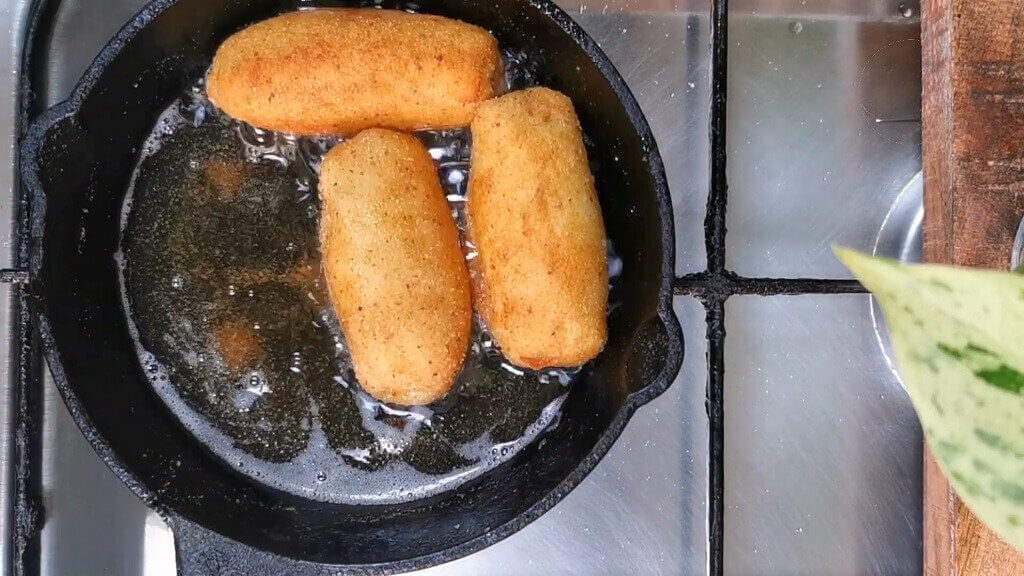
973 146
939 513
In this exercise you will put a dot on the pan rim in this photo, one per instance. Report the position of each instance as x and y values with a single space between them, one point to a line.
68 109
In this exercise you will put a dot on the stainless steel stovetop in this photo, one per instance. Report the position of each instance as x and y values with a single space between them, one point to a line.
822 454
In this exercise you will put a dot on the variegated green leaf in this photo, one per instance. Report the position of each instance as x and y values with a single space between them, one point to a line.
958 335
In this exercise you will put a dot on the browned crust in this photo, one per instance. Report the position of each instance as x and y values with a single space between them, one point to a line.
541 277
394 267
338 71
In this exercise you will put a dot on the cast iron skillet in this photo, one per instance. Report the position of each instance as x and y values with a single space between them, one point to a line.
76 163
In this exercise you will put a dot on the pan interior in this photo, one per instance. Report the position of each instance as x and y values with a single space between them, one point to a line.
221 277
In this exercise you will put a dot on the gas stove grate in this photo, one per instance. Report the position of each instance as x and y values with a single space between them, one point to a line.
714 286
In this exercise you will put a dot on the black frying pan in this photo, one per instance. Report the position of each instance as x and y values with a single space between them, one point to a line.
76 163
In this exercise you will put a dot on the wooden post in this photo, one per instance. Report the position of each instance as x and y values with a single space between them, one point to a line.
973 146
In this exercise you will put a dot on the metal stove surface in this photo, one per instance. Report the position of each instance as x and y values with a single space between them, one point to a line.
822 464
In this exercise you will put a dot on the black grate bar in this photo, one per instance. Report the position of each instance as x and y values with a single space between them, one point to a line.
714 310
27 509
714 221
711 286
13 276
716 276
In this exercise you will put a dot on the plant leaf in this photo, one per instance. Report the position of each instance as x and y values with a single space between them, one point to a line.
958 335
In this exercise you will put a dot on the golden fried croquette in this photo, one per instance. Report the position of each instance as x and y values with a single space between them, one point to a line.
541 277
395 272
338 71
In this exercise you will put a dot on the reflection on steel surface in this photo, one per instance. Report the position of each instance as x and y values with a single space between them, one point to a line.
899 238
808 165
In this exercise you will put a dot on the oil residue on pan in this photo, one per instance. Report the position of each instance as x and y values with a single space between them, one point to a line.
220 270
